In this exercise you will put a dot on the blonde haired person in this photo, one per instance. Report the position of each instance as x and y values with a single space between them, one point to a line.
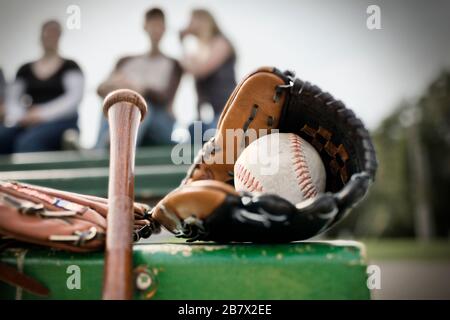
213 63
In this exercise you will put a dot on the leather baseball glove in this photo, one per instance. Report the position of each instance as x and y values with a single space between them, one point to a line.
56 218
207 207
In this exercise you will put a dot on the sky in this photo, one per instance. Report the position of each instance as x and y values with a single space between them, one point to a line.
326 42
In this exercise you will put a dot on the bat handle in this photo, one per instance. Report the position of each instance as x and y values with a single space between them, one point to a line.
124 110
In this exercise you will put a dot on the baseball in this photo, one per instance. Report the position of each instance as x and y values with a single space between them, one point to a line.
282 164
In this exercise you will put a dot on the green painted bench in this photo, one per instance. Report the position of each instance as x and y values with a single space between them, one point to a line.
151 181
304 270
86 171
79 159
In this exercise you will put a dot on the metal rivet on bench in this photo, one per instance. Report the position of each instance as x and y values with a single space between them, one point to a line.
143 280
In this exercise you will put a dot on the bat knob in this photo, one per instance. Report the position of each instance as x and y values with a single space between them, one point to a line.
125 95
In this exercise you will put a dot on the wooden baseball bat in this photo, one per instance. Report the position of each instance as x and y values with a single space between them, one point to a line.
124 110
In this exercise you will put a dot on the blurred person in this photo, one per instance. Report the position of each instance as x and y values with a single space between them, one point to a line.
2 95
212 65
43 101
156 77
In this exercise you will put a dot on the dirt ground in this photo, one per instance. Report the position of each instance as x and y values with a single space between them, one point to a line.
413 279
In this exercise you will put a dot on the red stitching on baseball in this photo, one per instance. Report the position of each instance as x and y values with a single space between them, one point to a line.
301 167
247 179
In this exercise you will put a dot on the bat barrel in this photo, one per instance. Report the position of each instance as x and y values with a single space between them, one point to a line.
124 110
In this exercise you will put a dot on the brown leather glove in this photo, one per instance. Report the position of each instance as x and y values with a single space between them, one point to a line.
56 218
206 206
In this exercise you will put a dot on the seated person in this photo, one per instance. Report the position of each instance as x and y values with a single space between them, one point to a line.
2 95
212 65
44 99
155 76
